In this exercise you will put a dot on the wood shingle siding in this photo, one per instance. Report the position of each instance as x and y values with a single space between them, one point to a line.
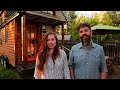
8 48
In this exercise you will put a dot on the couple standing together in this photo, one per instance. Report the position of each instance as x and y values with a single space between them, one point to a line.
86 59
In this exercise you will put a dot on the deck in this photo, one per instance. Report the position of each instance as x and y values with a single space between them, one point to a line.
27 70
116 73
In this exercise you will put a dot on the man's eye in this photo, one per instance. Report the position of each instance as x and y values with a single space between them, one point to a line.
81 31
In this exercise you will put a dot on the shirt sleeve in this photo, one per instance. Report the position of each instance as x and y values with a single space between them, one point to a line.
65 66
103 66
71 58
35 71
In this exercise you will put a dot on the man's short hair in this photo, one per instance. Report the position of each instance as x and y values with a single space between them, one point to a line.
82 25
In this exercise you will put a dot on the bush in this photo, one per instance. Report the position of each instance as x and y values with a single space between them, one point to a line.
8 73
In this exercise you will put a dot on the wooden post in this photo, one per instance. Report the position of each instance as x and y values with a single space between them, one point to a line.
41 30
53 28
39 39
62 35
23 40
16 49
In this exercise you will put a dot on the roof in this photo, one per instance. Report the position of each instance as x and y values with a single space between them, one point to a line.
105 29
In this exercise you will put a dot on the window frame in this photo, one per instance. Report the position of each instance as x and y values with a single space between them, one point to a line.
0 36
6 34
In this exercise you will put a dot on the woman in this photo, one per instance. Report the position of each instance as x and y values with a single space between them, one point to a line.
51 62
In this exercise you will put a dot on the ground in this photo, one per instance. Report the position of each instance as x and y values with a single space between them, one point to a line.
116 73
12 74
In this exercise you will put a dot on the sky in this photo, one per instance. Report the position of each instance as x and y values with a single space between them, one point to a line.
86 13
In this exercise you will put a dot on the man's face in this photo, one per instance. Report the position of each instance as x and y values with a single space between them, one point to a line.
85 35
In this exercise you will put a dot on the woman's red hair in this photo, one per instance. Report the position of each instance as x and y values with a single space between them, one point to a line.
43 51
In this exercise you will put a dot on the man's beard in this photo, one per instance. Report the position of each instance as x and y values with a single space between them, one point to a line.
85 41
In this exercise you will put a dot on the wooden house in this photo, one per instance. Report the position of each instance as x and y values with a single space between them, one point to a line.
21 33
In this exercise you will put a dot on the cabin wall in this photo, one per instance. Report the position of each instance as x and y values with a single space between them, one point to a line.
8 48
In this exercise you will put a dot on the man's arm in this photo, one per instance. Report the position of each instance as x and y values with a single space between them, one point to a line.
65 66
103 66
103 75
71 64
72 73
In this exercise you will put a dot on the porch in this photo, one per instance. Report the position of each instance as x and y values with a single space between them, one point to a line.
27 70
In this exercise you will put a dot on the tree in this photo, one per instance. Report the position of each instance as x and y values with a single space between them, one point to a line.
74 32
115 17
70 16
104 18
92 21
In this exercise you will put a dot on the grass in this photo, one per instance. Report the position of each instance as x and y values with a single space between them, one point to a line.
8 73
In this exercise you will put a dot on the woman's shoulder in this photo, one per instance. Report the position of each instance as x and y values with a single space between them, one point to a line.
62 51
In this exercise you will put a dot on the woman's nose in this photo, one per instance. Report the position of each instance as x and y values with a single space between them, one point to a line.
50 41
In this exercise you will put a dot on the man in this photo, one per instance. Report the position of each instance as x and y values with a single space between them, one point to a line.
87 59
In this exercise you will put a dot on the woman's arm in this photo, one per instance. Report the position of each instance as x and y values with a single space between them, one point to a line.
65 66
36 75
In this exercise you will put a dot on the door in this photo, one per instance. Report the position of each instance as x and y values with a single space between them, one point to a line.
31 44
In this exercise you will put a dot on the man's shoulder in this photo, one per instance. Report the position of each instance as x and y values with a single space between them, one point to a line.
76 46
97 45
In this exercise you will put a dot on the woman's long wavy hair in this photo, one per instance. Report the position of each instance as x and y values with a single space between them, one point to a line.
43 51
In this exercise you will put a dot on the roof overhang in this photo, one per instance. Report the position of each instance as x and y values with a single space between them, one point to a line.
39 18
14 15
101 29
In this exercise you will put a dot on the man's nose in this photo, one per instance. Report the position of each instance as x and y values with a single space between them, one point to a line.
83 32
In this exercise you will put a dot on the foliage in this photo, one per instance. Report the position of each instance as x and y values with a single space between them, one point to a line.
74 32
103 17
58 30
8 73
70 16
115 17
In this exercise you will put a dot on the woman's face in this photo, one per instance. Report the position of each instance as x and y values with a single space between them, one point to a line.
51 41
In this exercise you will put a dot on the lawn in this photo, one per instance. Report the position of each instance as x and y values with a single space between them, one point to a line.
8 73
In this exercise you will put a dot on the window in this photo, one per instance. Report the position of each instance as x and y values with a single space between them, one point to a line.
0 20
0 36
6 34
